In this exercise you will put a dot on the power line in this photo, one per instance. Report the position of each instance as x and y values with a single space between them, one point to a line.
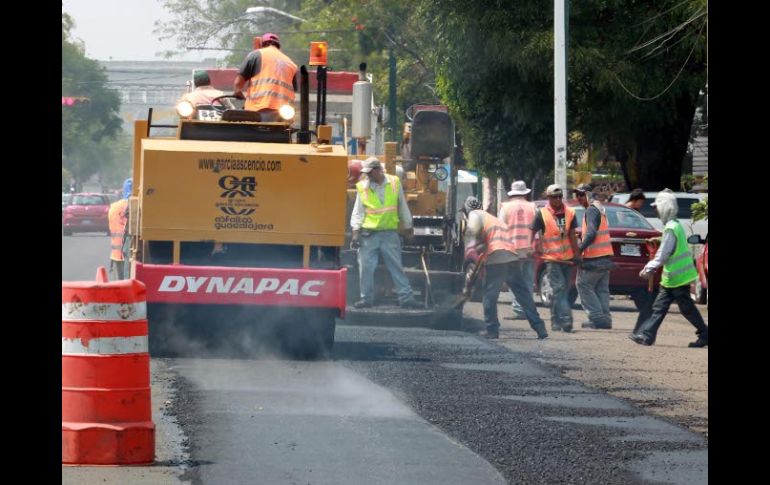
695 43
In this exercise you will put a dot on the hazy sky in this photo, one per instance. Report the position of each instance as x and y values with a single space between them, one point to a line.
122 29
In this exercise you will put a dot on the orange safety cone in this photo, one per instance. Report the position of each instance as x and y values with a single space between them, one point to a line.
106 411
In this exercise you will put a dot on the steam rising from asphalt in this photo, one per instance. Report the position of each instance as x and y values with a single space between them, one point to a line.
297 388
284 387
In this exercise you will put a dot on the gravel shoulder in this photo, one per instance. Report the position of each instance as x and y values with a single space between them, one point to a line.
667 379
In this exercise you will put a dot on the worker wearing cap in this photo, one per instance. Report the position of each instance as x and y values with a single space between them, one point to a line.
559 250
379 209
518 213
203 92
489 238
117 217
678 272
267 79
593 276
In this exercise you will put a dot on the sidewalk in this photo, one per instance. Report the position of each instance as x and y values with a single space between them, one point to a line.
667 379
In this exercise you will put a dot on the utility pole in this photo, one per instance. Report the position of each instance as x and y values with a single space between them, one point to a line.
560 16
392 95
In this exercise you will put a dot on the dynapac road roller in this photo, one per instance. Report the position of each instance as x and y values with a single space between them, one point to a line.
236 226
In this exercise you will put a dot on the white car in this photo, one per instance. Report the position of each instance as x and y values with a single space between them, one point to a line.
683 199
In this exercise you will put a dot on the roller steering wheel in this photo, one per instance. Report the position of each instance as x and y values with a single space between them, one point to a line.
220 106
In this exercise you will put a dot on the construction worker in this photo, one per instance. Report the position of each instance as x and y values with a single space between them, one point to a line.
518 213
379 208
489 241
678 272
267 79
636 200
642 297
203 92
559 250
118 217
593 276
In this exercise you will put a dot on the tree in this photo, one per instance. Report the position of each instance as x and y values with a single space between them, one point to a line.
642 64
635 69
357 31
494 65
224 24
87 127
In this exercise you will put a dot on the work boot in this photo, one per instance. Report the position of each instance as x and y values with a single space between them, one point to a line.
410 304
701 342
640 339
541 333
362 304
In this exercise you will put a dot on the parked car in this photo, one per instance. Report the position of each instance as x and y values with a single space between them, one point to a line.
86 213
628 232
66 199
699 288
684 215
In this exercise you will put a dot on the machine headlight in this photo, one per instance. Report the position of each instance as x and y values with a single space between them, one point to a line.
286 112
185 109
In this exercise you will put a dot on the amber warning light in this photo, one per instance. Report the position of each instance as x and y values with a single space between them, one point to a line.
318 52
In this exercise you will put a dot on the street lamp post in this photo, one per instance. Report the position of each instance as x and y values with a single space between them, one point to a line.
560 92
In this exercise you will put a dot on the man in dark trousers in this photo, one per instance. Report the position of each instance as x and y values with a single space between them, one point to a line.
678 272
488 237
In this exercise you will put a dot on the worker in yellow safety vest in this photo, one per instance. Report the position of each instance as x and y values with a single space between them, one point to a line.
678 272
593 276
379 209
118 217
558 246
267 79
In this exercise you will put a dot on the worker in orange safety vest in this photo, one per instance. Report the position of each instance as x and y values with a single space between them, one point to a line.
488 241
118 217
267 79
559 249
518 213
593 277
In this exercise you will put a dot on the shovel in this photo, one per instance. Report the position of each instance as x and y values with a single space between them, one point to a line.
461 299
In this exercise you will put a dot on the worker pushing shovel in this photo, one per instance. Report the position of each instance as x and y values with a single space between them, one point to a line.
488 244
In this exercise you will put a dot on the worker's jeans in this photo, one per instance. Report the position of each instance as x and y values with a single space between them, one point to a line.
594 290
667 296
512 273
388 244
117 270
559 277
528 274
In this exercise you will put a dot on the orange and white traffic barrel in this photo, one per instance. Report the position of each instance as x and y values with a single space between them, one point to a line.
106 411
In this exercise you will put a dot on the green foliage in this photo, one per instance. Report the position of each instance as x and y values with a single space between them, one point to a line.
635 69
66 180
700 210
89 128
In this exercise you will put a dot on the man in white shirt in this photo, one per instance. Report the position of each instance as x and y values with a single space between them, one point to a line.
380 208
